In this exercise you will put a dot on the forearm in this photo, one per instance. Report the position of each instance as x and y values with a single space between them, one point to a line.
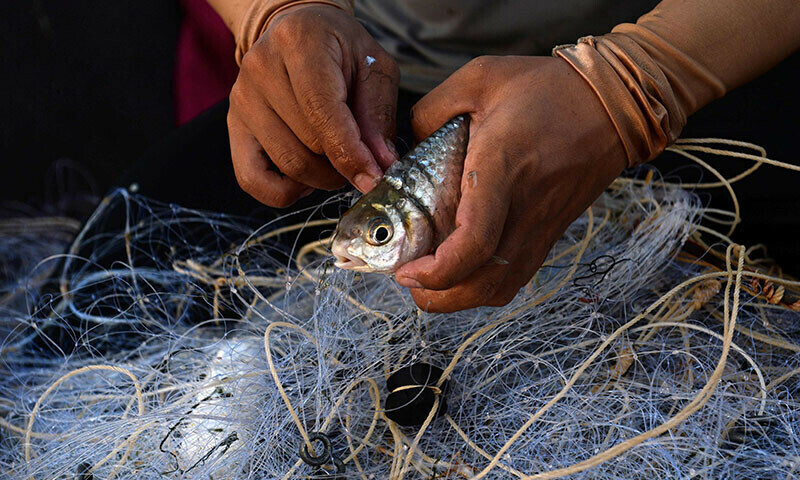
247 19
737 40
231 11
650 76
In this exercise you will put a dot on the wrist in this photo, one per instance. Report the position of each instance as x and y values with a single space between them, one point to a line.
647 87
260 13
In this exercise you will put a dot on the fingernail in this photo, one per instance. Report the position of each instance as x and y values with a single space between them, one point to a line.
307 192
392 149
365 182
409 282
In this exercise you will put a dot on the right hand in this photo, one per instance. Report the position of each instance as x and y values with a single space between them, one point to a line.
314 85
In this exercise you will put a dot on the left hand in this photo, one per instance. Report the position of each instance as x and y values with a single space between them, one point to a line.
542 149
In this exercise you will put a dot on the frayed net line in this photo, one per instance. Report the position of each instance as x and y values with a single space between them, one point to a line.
171 343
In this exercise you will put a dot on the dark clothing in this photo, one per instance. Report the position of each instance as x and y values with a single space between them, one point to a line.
192 166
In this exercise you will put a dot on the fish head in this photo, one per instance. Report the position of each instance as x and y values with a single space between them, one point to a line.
381 232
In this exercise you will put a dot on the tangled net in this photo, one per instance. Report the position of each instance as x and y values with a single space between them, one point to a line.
171 343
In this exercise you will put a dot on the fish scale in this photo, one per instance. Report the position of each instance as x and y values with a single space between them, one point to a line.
411 210
430 174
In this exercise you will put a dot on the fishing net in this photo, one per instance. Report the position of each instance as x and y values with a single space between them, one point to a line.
162 342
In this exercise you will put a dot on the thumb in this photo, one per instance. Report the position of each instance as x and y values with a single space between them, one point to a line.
459 93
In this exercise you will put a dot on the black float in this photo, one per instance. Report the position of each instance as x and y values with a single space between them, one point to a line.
412 392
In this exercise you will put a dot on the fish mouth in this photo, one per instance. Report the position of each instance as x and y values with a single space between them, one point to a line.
350 263
346 261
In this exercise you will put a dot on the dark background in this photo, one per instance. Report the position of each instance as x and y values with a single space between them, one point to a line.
87 81
87 87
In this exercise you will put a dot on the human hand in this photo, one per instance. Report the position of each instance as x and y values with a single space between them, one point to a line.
314 85
541 150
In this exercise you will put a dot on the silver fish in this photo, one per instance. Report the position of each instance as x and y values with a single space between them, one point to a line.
411 211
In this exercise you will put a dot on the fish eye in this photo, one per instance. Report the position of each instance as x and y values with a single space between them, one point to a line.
380 232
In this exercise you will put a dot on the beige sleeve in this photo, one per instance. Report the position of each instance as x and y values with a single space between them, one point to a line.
248 19
650 76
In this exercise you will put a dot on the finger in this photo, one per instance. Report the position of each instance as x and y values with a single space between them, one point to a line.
375 105
475 291
323 98
289 154
511 285
459 93
251 166
496 283
278 90
481 214
530 255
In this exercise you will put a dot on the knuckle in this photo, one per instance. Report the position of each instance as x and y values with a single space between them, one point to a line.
384 113
284 29
387 66
265 193
281 199
236 98
245 181
482 61
478 68
337 155
393 68
421 122
317 106
416 114
296 27
253 62
315 145
483 242
482 252
291 163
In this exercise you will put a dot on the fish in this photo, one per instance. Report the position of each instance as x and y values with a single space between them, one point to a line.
411 210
